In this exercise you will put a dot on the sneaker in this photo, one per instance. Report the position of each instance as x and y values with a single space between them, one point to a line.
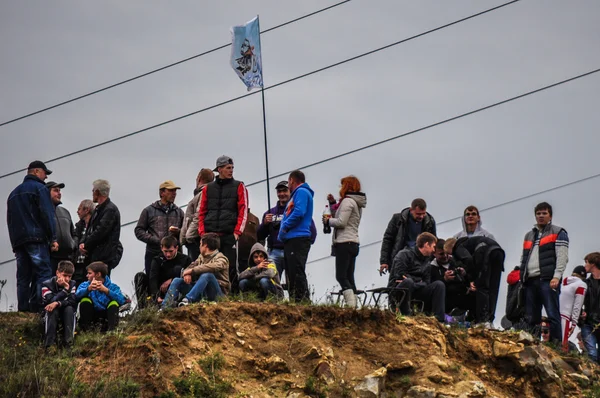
184 302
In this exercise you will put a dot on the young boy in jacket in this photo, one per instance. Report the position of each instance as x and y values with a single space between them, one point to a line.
99 299
262 277
60 304
207 277
571 301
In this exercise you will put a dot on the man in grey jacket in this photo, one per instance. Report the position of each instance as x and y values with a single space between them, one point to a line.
189 231
158 220
65 231
472 225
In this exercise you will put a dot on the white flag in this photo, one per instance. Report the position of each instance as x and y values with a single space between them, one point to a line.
245 53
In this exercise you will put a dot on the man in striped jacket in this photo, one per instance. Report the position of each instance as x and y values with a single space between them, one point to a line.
544 259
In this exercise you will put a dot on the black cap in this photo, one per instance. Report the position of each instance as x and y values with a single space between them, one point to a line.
52 184
38 164
580 271
282 185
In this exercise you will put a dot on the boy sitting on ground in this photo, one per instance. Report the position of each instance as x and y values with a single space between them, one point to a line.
166 267
262 277
99 299
60 304
207 277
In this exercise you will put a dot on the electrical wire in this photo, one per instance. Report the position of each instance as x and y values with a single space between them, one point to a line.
164 67
267 88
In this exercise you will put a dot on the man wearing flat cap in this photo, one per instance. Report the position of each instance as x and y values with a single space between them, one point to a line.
65 230
158 220
32 231
224 210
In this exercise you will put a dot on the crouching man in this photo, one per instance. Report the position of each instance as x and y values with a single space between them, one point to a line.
207 277
261 275
60 304
99 299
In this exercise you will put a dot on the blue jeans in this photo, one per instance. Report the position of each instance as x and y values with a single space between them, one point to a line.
264 286
590 341
278 258
537 294
33 268
206 287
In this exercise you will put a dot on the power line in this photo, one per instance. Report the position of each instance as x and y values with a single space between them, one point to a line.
487 209
442 222
164 67
267 88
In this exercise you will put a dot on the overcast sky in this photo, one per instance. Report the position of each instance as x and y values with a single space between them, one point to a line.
52 51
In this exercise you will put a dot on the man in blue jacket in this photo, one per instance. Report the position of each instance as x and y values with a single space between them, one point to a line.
32 231
295 234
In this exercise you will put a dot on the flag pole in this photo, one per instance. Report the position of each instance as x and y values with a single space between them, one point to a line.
262 93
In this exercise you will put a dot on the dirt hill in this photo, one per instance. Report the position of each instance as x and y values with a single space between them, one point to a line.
280 350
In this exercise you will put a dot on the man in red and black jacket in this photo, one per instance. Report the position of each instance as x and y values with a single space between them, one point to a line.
224 210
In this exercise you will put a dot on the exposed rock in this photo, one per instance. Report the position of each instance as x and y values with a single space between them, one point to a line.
372 385
276 365
313 353
440 378
470 389
396 367
328 353
443 365
240 334
527 358
421 392
525 338
323 371
580 379
546 370
503 349
561 364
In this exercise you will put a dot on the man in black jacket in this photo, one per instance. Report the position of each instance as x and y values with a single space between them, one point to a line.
483 258
411 272
60 303
445 269
101 242
153 286
403 229
590 323
160 219
65 231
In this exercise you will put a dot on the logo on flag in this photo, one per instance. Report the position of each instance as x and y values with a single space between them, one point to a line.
245 53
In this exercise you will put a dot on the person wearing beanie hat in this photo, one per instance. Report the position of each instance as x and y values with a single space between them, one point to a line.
571 300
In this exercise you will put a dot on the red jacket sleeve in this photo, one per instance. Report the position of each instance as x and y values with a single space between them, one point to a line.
202 209
242 209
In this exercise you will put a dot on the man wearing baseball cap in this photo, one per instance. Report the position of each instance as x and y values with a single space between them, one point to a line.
32 231
271 221
65 230
224 211
158 220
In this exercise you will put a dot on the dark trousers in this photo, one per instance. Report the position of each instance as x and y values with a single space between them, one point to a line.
33 268
537 294
263 287
65 315
433 295
193 249
140 284
345 263
90 316
488 285
296 253
229 249
148 260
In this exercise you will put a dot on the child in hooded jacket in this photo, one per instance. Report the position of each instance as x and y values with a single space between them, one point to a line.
261 275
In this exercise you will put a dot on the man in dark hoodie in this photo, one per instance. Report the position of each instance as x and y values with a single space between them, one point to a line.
261 275
483 259
271 222
445 269
590 318
65 230
32 231
158 220
152 287
295 235
411 271
189 230
402 231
